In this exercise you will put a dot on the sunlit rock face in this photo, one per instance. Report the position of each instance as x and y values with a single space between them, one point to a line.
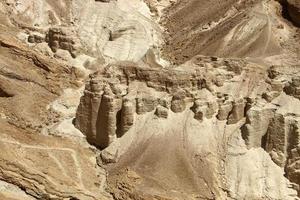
149 100
196 118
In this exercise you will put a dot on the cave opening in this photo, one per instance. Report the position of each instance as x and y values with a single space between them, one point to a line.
264 140
286 13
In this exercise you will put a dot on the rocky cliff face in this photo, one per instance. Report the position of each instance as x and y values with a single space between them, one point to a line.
210 111
167 99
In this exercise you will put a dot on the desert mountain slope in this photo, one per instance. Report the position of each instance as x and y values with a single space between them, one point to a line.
149 100
252 29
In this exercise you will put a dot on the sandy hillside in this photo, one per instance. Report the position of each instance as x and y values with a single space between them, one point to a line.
149 100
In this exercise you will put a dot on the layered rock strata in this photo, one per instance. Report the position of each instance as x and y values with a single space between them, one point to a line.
116 94
167 122
123 95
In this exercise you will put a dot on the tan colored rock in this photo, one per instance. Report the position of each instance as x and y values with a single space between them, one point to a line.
275 139
61 169
136 86
199 108
238 111
163 120
293 88
178 103
270 96
106 125
63 38
145 104
86 121
127 117
36 38
257 123
224 110
212 109
277 86
162 112
107 157
178 106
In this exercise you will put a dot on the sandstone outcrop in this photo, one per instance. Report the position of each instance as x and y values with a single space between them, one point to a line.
167 93
63 38
170 92
276 130
143 90
149 99
35 165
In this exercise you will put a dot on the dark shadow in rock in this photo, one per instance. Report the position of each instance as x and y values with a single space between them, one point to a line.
5 94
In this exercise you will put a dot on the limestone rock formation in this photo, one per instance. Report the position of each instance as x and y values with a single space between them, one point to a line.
149 99
175 94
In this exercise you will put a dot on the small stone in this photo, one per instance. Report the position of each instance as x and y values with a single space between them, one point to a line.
178 106
224 111
162 112
108 156
269 96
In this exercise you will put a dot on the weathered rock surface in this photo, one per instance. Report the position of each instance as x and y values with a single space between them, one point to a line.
143 90
149 99
36 166
188 102
263 33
